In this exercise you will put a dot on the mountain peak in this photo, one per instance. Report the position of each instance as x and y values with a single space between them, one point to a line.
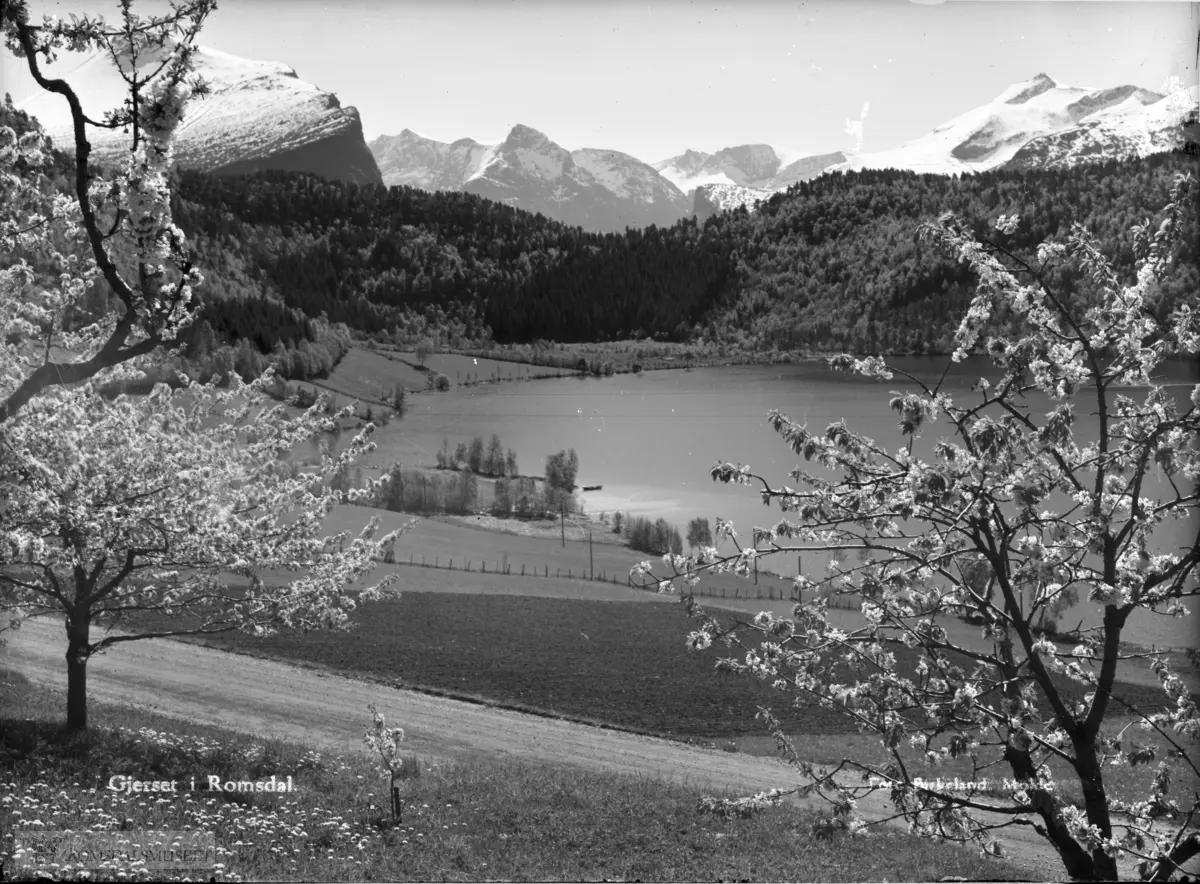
1019 93
523 134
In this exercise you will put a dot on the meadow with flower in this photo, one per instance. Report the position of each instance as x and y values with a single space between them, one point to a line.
477 819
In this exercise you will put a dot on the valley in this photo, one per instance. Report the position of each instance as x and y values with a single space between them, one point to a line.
364 462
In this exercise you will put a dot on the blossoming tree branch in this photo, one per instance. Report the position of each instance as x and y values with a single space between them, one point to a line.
1046 485
178 512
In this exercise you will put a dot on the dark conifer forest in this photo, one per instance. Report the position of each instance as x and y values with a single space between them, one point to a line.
834 263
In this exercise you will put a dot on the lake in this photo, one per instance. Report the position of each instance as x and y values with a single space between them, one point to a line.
651 439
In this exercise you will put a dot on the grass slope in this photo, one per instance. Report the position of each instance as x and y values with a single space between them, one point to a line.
460 822
443 540
367 376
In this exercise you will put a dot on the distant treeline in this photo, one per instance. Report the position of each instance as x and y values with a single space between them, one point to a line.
411 490
654 536
422 491
489 461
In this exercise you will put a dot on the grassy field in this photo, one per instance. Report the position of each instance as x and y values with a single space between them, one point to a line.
443 541
617 663
419 580
460 822
366 376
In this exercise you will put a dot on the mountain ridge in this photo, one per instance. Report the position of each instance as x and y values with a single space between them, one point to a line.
995 133
1035 123
257 115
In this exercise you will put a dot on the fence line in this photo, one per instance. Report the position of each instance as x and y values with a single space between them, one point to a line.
743 593
502 567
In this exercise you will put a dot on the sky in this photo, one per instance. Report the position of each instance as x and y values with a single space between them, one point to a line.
655 78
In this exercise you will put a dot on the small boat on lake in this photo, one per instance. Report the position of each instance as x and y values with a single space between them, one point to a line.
592 487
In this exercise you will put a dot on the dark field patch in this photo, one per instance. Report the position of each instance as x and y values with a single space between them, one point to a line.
617 663
632 669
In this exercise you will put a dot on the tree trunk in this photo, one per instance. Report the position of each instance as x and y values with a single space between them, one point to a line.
1095 802
77 657
1076 861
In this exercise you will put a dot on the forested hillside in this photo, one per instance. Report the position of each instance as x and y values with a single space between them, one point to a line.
237 327
294 263
449 264
835 263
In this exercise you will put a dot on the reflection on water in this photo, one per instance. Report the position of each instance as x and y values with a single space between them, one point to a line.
651 440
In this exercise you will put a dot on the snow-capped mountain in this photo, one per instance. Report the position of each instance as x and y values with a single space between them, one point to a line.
416 161
530 171
600 190
997 132
1128 130
709 199
257 115
1034 123
748 165
805 168
642 191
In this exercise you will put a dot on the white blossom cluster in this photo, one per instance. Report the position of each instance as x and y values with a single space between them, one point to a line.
115 227
178 502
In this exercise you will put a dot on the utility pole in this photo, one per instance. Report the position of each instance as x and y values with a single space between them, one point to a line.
562 523
591 565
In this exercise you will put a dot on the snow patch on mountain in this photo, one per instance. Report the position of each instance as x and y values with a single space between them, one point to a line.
1130 129
803 168
257 114
713 198
600 190
995 133
416 161
757 166
629 178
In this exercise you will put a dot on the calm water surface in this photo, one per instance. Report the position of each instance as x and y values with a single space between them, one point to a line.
651 440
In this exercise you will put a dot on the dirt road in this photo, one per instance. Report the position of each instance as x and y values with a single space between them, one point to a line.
274 699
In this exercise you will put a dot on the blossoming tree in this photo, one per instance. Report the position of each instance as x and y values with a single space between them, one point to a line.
1017 502
167 514
114 229
170 515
